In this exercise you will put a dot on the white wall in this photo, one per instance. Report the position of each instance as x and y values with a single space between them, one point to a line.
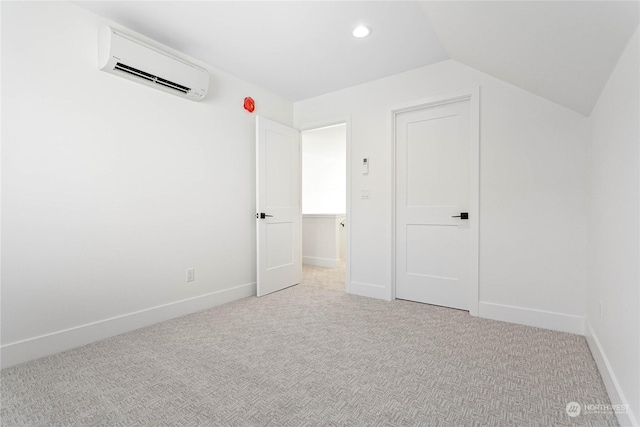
532 195
110 189
614 234
324 170
322 239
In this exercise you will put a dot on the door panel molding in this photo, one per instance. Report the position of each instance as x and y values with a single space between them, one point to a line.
279 231
473 96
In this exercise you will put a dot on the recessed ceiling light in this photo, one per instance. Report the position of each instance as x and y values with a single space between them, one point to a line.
361 31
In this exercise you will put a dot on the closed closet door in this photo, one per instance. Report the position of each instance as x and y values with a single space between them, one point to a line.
433 204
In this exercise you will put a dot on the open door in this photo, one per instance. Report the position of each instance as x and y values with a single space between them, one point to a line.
279 216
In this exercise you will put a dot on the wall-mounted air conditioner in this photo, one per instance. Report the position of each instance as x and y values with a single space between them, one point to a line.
124 56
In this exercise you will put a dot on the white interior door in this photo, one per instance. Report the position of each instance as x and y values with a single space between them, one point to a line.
433 187
279 233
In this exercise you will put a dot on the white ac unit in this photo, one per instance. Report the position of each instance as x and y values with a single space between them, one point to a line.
124 56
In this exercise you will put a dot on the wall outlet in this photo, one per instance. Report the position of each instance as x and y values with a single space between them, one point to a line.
191 275
364 193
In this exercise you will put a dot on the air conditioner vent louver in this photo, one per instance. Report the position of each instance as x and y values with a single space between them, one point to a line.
125 68
153 66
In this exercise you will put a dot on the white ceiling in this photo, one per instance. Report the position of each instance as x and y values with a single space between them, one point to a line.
562 50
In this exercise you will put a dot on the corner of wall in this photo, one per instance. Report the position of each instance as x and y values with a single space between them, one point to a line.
616 395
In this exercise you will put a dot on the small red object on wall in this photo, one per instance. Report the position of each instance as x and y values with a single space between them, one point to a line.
249 104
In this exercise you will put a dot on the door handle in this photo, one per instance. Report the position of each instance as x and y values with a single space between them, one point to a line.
463 215
263 215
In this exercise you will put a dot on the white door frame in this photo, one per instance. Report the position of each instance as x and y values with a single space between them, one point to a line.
473 95
332 122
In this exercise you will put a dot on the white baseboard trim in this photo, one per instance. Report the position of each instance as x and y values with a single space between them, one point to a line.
369 290
616 395
321 262
531 317
55 342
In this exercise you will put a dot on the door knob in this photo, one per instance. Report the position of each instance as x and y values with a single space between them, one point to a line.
263 215
463 215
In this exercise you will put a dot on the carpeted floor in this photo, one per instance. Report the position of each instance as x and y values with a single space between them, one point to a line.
313 356
329 279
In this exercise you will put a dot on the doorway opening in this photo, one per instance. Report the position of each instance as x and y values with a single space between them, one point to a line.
324 207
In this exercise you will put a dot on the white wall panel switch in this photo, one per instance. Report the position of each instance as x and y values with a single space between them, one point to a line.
191 275
365 166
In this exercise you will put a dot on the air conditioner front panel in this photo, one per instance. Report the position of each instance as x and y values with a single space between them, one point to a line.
128 58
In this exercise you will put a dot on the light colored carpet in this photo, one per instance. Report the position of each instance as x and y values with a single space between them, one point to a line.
308 356
329 279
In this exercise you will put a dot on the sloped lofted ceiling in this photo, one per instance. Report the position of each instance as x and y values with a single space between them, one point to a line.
561 50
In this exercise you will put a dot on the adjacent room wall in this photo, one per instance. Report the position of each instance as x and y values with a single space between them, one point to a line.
322 239
324 170
111 190
614 234
532 191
